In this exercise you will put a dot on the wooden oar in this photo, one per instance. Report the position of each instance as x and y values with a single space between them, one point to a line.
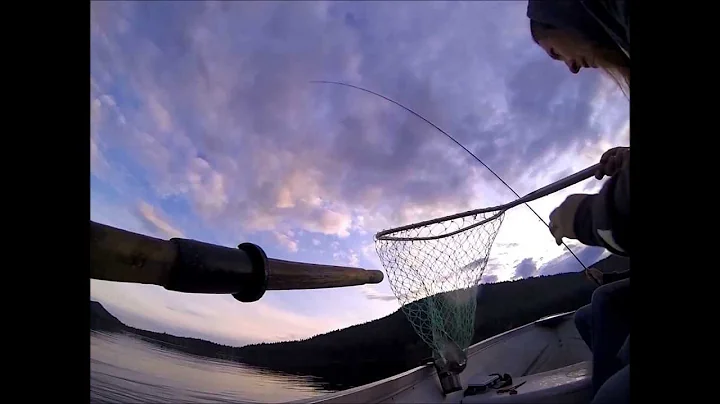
192 266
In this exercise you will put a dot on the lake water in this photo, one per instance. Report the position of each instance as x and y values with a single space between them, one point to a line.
125 369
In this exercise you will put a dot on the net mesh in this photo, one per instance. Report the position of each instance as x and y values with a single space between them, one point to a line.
434 271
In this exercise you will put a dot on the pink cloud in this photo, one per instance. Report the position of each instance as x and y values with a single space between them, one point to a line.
153 217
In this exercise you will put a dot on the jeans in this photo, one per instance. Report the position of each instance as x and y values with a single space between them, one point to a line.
604 325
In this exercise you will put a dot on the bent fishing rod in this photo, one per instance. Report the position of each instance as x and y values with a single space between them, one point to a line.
191 266
582 175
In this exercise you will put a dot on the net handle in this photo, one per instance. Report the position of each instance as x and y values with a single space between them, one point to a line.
539 193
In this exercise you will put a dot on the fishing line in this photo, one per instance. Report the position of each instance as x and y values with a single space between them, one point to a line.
459 144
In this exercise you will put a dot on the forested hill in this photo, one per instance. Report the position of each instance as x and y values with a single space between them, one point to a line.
386 346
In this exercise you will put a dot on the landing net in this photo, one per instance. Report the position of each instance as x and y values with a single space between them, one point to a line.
434 269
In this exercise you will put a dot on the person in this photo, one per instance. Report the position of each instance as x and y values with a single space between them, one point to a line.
585 34
596 34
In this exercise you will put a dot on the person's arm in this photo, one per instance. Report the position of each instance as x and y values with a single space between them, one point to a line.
603 219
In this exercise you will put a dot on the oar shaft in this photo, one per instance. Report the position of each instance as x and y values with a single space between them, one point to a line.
288 275
121 256
195 267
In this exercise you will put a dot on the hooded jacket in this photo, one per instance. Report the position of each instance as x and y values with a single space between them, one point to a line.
603 21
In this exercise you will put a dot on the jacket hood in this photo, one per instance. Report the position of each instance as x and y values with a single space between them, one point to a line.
568 15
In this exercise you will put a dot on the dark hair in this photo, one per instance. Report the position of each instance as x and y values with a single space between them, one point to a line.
615 62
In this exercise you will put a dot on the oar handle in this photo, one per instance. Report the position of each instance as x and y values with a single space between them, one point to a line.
191 266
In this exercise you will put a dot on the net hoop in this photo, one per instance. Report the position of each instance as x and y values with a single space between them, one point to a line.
386 235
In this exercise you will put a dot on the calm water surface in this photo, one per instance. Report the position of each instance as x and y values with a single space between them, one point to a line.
128 370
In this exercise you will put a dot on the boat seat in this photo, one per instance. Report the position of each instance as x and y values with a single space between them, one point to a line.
569 384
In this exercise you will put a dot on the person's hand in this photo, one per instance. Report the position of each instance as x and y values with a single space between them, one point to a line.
595 275
611 161
562 219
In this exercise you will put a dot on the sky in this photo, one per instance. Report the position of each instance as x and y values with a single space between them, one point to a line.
204 125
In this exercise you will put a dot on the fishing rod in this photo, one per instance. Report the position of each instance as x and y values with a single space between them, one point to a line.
191 266
461 146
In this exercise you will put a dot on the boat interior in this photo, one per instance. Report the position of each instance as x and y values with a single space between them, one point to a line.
547 361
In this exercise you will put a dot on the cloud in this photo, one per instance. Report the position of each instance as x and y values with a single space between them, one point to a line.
354 261
287 242
526 268
207 186
347 258
154 223
328 222
371 294
98 163
593 187
160 115
567 263
277 151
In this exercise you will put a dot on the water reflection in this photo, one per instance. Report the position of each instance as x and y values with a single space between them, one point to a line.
126 369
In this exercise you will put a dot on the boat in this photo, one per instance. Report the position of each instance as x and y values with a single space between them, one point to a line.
547 360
